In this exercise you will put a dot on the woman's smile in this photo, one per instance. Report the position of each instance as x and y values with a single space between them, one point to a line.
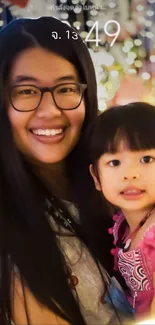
49 136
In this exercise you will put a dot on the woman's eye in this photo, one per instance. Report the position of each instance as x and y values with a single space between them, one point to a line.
114 163
146 159
67 90
25 92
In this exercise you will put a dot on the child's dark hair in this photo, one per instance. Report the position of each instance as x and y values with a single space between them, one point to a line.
133 123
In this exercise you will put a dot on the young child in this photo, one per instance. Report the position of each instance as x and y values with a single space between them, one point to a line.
122 148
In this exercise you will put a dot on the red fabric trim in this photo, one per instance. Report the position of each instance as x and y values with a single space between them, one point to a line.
20 3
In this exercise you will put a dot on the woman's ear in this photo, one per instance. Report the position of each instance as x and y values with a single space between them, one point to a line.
96 180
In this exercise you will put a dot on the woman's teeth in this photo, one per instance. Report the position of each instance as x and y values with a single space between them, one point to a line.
48 132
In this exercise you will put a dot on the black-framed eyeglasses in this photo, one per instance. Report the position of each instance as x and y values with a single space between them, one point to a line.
27 98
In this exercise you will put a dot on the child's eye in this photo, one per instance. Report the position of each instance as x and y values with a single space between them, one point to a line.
146 159
114 163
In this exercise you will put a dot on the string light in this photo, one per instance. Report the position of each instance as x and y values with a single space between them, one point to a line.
143 33
102 105
149 35
90 23
137 42
2 15
125 49
146 322
114 73
99 70
132 71
64 15
152 58
139 8
129 44
132 55
101 90
138 63
77 24
75 2
112 4
142 53
109 60
129 61
77 9
83 34
150 13
141 19
148 23
93 12
146 75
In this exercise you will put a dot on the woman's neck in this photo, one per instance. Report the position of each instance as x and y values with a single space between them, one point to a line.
56 179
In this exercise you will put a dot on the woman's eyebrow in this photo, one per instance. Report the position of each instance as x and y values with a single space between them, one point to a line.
22 78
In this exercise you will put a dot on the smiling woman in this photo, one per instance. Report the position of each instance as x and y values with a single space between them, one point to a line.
53 238
43 131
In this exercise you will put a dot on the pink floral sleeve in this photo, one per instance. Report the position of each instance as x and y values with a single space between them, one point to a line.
147 244
117 218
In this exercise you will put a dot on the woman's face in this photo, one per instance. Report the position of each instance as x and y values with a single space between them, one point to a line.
47 134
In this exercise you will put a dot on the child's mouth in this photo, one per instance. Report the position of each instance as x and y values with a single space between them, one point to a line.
132 193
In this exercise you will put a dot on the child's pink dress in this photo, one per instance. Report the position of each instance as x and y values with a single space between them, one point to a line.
136 266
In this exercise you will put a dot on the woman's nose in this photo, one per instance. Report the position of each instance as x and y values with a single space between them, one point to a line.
48 107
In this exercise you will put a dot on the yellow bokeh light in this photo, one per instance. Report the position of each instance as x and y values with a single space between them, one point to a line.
147 322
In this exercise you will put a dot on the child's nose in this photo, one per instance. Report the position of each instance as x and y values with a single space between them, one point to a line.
131 176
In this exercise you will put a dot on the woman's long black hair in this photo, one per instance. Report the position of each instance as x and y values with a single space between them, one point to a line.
26 239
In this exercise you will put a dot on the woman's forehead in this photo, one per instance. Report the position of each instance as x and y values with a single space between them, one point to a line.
42 65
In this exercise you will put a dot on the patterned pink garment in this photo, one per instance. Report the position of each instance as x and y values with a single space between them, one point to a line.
136 266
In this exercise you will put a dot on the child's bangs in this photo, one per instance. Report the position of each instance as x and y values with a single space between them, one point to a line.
135 138
132 124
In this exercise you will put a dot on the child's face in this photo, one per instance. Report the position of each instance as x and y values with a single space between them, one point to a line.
127 178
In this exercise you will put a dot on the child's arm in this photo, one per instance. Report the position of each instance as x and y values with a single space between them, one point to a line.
152 311
148 247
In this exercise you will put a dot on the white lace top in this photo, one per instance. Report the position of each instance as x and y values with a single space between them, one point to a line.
87 283
85 277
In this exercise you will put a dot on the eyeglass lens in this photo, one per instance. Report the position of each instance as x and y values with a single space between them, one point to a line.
26 98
